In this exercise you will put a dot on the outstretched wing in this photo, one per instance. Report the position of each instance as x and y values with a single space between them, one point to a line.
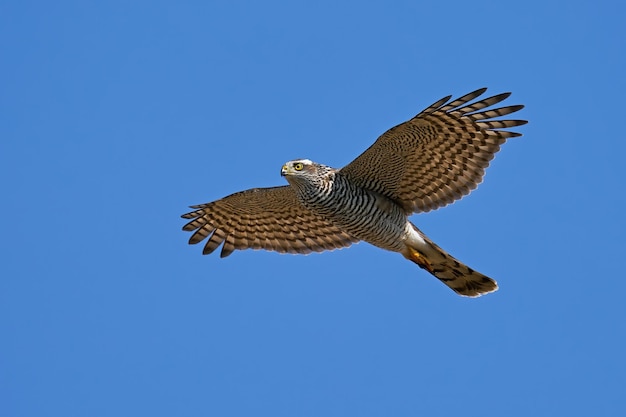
438 156
262 218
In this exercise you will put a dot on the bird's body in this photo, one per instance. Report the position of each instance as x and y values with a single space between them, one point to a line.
332 196
427 162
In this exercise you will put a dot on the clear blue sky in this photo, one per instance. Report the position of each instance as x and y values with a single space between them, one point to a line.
114 116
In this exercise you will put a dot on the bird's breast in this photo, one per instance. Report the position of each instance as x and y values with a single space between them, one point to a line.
364 214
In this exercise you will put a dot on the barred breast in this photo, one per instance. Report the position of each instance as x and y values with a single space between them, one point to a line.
364 214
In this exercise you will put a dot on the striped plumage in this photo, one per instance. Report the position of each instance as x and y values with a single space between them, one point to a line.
427 162
363 214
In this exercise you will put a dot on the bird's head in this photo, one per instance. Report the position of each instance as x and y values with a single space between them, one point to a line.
305 171
298 168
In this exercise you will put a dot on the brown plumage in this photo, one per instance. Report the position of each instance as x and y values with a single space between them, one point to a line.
430 161
263 218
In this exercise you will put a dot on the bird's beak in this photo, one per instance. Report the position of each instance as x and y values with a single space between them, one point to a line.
284 170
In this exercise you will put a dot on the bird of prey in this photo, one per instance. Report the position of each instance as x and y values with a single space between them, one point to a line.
430 161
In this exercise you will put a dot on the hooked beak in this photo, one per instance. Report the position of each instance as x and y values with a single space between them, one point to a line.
284 171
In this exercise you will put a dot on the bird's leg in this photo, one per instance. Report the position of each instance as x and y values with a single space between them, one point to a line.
416 257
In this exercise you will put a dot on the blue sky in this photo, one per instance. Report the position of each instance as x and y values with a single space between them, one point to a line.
114 116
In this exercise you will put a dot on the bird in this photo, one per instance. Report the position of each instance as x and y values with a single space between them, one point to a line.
423 164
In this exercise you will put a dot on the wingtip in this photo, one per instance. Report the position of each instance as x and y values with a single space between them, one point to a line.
503 96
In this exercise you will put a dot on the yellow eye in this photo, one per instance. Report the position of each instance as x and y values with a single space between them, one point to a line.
298 166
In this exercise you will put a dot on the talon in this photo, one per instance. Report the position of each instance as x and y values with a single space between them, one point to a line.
419 259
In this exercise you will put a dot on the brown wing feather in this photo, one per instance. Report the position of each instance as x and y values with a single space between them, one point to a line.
262 218
438 156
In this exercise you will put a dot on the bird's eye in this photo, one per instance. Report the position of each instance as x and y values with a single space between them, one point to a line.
298 166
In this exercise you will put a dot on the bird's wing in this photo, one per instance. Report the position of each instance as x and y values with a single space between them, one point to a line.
438 156
262 218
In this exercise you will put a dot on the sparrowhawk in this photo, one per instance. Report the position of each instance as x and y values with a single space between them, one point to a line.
435 158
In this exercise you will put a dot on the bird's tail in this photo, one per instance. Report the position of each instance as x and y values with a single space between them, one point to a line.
461 278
